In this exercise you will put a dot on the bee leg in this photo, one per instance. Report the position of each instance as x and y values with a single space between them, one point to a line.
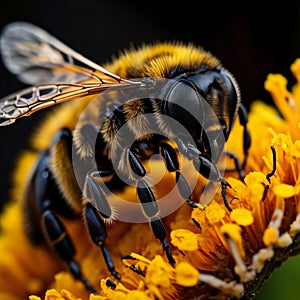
97 231
93 191
60 241
172 164
270 174
243 117
149 204
94 215
224 185
150 208
237 163
132 267
208 169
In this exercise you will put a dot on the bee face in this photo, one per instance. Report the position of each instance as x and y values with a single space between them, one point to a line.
165 100
205 102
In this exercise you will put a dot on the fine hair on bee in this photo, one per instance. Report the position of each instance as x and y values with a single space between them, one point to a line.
168 100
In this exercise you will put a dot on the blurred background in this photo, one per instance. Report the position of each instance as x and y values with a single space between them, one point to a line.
251 40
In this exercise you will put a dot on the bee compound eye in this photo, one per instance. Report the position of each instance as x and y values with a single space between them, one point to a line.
185 105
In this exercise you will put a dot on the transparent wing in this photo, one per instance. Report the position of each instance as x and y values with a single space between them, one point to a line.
59 73
32 99
37 57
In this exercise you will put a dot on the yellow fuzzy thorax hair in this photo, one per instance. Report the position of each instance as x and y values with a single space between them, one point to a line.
157 60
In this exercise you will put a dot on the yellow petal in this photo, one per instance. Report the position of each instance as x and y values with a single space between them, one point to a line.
297 149
137 295
53 295
284 141
68 296
295 68
276 84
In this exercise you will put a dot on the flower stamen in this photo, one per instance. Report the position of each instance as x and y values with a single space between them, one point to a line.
228 288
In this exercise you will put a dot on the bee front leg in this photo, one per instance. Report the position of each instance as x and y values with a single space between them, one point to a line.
205 167
172 164
208 169
149 204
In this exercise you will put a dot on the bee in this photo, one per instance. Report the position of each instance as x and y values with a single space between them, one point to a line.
167 99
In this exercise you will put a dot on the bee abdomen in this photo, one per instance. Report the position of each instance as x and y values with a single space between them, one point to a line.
43 193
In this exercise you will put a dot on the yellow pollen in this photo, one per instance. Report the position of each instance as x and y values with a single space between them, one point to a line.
233 232
184 240
157 273
242 216
253 178
285 190
185 274
270 236
214 212
34 298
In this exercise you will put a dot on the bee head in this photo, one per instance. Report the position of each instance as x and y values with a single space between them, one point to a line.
205 103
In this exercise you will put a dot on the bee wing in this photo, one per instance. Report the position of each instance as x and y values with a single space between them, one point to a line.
37 57
59 73
32 99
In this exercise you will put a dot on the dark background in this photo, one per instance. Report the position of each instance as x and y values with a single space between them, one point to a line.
251 40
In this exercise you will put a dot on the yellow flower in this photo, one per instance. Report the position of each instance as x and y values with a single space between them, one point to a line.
218 253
